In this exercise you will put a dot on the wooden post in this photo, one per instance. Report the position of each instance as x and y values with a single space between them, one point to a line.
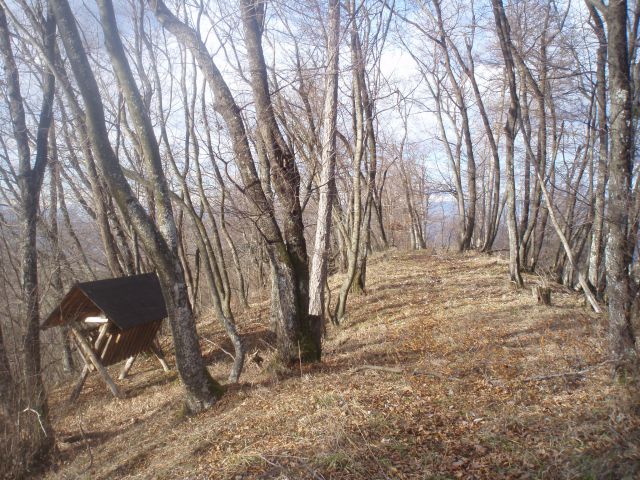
89 354
542 295
157 351
87 365
83 376
127 366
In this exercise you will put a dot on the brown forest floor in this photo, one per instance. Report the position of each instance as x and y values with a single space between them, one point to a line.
463 395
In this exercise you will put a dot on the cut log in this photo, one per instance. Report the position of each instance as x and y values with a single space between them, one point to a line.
542 295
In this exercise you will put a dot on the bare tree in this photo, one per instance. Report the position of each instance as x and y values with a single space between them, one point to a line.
595 255
298 335
160 242
327 188
502 27
30 179
618 261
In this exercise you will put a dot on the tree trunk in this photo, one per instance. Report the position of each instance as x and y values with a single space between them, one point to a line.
201 389
30 180
356 195
7 383
622 341
298 337
56 278
319 260
502 27
596 250
470 213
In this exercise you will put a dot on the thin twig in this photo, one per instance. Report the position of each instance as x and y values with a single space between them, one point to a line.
28 409
218 346
88 443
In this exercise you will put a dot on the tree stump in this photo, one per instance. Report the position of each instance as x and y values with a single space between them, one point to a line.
542 295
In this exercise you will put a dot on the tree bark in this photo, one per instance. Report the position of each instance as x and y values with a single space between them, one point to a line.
30 180
502 27
597 235
618 261
319 260
201 390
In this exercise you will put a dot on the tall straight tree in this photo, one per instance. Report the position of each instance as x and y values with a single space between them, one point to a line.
618 258
298 334
468 217
30 179
357 156
597 235
502 27
327 187
160 242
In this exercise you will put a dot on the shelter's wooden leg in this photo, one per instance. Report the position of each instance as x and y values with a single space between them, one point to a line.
86 369
78 388
89 353
157 351
127 366
101 333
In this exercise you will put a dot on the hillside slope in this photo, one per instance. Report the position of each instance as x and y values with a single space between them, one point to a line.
442 370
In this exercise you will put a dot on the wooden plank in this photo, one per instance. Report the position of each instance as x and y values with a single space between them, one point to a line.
95 319
90 354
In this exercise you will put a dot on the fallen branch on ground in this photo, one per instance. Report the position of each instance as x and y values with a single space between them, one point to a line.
379 368
577 373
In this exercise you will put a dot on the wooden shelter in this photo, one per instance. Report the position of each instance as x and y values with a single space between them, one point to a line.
112 320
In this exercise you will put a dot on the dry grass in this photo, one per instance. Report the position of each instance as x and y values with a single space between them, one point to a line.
468 401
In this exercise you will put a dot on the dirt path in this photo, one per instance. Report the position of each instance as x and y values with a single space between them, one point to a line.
442 370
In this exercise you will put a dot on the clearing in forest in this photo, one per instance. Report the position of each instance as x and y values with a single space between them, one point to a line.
443 370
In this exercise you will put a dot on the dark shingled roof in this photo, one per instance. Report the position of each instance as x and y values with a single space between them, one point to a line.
128 302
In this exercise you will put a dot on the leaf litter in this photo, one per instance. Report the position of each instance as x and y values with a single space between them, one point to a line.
442 370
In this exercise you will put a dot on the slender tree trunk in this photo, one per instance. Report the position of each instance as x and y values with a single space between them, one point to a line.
597 235
502 27
470 213
319 260
30 184
622 341
7 384
201 389
356 201
56 278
